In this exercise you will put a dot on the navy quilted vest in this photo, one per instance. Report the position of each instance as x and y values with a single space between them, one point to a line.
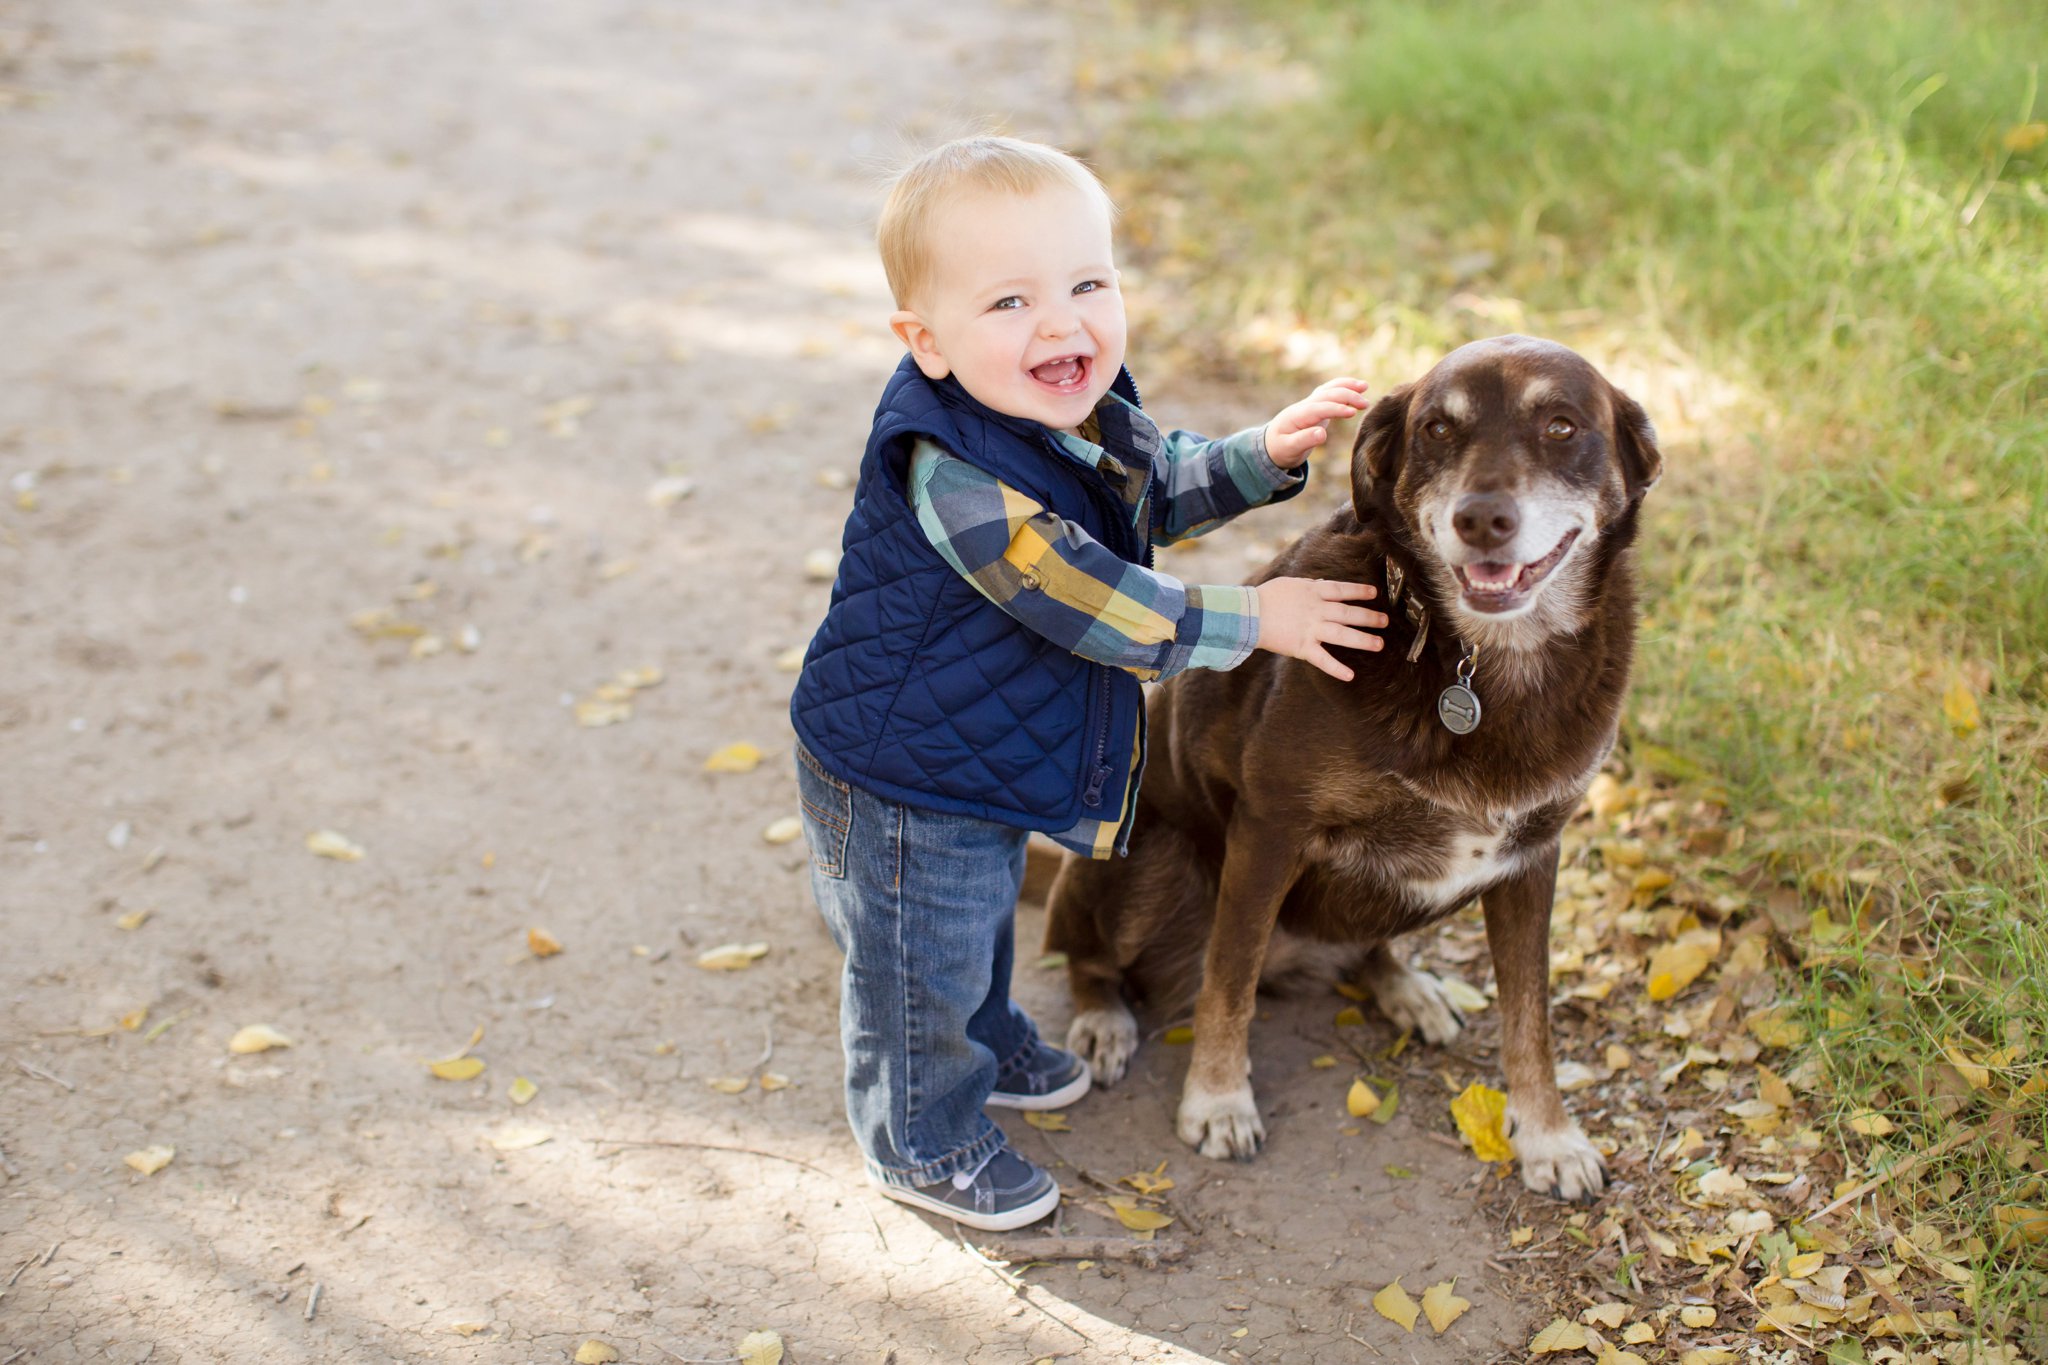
921 690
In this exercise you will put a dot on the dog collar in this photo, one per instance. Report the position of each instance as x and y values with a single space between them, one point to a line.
1417 612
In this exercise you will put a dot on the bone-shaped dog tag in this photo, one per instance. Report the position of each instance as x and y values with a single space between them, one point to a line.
1457 706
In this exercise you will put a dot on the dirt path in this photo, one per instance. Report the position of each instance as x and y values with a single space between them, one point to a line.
319 310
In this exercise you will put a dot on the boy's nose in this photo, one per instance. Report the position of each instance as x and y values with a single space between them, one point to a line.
1057 322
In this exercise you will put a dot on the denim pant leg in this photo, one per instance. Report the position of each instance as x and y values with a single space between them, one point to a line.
923 906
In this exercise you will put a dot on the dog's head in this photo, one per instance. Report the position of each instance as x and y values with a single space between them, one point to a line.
1501 471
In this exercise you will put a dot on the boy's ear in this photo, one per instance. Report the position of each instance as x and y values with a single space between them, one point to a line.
1376 453
921 342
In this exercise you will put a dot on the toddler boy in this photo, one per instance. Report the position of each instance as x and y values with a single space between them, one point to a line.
977 673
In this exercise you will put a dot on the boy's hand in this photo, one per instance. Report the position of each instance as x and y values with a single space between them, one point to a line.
1303 426
1298 616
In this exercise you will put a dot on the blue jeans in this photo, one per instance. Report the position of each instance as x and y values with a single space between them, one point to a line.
923 905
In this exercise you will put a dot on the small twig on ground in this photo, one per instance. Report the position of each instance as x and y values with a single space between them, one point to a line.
1895 1170
880 1236
1021 1290
1086 1249
17 1273
696 1360
706 1147
16 1356
313 1301
50 1255
43 1075
353 1226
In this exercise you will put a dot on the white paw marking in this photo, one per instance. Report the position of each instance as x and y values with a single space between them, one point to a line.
1417 1000
1559 1162
1105 1039
1221 1125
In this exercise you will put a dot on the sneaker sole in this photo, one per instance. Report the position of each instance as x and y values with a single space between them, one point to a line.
982 1222
1055 1099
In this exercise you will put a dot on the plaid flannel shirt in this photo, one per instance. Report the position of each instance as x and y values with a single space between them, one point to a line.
1058 580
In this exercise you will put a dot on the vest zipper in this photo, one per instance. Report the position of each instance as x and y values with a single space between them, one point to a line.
1092 796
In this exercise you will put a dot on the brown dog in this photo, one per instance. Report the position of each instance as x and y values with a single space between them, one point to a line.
1494 503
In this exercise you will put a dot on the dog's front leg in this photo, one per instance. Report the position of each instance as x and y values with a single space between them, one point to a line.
1555 1155
1218 1113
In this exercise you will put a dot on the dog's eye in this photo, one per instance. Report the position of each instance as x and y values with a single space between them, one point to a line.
1560 429
1439 430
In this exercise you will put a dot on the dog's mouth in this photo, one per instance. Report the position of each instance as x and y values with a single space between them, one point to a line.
1066 375
1492 586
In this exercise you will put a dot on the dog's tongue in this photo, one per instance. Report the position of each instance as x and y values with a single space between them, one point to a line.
1058 371
1491 574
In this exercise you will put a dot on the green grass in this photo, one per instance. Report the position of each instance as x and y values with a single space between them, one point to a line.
1823 206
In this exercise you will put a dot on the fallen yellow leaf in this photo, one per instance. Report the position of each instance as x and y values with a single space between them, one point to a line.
595 1352
468 1329
541 943
1179 1035
772 1081
1480 1112
731 957
1559 1336
761 1348
1608 1315
518 1138
1154 1181
1677 965
133 920
257 1038
1771 1087
594 713
1323 1063
135 1019
457 1068
1975 1073
1361 1100
521 1090
783 831
642 678
734 758
2024 137
1697 1315
1442 1306
1047 1123
329 844
150 1160
1521 1237
2027 1224
1135 1218
1959 704
1394 1305
1870 1123
1776 1027
728 1085
1350 1017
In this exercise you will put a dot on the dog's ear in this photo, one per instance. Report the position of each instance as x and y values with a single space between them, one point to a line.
1376 454
1642 462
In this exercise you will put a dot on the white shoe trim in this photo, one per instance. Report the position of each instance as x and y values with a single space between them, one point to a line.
1053 1099
984 1222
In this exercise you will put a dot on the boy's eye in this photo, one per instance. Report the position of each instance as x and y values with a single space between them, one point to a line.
1008 302
1087 286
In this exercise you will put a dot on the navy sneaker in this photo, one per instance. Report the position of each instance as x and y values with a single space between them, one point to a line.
1007 1192
1050 1078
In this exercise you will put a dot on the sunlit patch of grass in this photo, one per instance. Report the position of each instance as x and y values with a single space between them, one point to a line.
1834 218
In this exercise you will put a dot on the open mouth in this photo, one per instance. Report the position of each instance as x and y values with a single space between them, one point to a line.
1067 375
1492 586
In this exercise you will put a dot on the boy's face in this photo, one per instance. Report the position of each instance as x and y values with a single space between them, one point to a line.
1022 304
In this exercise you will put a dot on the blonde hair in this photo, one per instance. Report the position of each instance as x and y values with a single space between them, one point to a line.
1007 164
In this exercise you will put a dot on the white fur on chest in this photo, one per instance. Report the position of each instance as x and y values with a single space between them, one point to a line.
1473 862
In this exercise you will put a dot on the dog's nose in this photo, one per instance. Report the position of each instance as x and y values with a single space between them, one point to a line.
1486 521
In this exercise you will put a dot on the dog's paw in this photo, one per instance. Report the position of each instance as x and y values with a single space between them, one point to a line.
1417 1001
1105 1039
1559 1162
1221 1125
